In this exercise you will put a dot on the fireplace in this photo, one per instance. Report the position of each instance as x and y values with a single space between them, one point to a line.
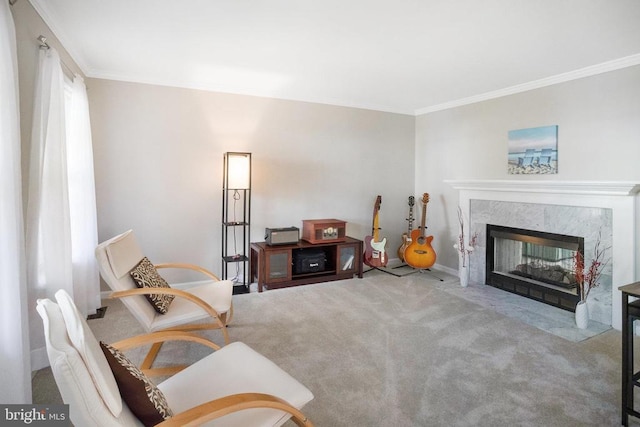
577 208
534 264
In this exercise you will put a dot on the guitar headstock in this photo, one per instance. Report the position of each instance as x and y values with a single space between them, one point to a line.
425 198
412 200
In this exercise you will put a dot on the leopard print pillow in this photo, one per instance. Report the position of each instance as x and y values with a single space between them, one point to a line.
146 276
146 401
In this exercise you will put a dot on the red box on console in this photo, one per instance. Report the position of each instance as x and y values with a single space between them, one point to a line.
324 230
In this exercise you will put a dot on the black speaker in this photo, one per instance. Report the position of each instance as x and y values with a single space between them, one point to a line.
281 236
309 261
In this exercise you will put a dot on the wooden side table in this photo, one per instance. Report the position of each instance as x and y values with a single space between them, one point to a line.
630 379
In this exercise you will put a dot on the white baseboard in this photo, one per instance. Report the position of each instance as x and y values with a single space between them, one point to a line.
446 269
39 359
453 271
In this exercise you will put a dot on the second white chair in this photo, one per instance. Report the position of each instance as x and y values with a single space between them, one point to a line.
188 311
232 387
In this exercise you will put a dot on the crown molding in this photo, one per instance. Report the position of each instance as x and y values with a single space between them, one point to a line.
616 64
43 9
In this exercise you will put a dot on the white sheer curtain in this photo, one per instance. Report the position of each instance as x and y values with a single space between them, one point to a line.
48 228
15 379
61 220
82 200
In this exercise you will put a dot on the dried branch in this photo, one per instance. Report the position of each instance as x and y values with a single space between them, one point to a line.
464 249
591 278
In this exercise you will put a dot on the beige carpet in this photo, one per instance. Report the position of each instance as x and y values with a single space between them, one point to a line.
388 351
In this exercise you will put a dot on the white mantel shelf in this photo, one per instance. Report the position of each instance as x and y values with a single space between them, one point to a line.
601 188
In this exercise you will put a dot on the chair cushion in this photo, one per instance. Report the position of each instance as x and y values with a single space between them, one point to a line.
86 405
87 346
235 368
116 258
123 253
146 276
217 294
144 399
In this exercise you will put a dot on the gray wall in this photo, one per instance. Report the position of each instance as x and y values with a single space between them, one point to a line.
598 139
158 163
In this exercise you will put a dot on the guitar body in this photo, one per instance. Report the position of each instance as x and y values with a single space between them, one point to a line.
406 240
374 253
420 254
374 249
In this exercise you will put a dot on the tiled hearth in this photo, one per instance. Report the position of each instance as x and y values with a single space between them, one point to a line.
584 209
542 316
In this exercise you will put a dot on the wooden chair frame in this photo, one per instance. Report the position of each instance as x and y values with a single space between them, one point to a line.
220 320
215 408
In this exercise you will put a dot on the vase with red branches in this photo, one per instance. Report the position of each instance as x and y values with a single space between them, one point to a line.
588 278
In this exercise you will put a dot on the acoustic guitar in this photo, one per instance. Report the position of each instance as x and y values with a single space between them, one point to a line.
419 253
374 252
406 237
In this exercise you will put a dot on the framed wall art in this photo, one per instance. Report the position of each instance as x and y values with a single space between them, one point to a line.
533 151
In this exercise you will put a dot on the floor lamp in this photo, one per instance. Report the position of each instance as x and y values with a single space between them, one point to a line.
236 219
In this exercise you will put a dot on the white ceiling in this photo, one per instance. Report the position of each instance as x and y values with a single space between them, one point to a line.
405 56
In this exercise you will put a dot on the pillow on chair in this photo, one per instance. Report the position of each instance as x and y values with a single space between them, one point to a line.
144 399
146 276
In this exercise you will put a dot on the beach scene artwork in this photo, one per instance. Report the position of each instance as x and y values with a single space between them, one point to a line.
533 151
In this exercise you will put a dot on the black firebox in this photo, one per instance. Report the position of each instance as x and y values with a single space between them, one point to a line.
534 264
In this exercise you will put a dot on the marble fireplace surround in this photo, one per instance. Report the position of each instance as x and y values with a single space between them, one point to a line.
611 206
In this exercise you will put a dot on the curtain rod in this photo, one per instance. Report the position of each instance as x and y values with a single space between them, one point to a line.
43 41
66 69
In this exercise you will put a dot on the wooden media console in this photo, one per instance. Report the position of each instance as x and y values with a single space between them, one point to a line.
272 267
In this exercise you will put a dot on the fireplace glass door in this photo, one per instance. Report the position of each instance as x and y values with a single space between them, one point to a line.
534 264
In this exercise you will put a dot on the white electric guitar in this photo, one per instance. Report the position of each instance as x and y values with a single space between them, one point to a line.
374 253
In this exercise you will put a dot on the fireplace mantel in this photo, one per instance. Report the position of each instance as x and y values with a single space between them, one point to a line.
606 188
619 196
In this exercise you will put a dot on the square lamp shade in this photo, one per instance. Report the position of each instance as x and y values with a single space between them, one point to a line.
238 170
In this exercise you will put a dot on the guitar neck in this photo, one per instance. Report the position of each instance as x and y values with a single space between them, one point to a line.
423 221
410 219
375 228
